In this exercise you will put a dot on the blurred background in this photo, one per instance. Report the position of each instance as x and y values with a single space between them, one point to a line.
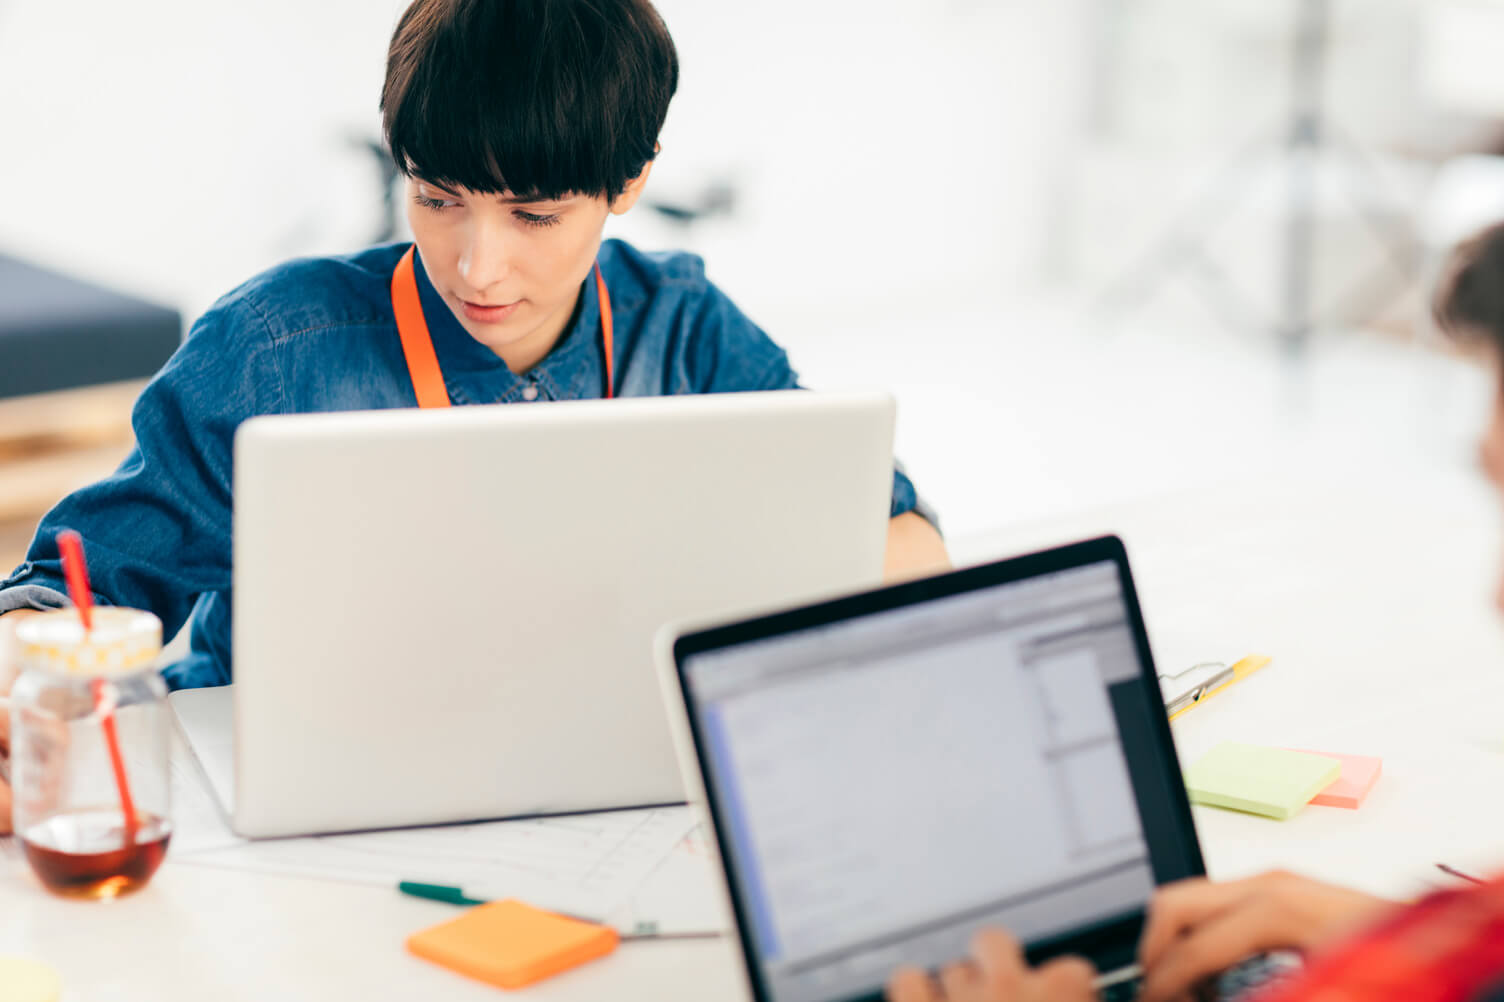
1100 249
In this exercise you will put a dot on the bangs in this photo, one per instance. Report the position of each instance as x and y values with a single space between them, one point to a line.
536 99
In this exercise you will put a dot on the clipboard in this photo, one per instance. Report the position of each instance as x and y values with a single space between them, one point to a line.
1198 683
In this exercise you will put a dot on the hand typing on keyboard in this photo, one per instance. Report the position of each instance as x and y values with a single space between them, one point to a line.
1199 936
1197 929
996 972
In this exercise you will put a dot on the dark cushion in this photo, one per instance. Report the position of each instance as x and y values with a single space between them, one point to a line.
57 332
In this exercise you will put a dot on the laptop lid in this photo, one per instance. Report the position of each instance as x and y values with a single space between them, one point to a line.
449 616
887 773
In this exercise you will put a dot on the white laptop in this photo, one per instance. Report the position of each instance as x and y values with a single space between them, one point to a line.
448 615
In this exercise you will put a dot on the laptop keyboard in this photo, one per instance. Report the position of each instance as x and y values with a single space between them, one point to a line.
1237 983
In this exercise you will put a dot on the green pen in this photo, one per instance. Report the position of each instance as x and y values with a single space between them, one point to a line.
438 892
457 896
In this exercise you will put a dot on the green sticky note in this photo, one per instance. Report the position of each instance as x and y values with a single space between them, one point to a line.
1270 781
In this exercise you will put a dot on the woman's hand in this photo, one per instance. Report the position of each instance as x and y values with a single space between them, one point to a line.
9 657
1197 929
5 798
914 548
996 972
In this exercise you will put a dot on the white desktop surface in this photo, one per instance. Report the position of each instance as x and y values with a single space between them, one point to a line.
1374 596
1374 600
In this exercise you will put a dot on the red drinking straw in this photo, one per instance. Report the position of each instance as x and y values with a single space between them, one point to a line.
71 545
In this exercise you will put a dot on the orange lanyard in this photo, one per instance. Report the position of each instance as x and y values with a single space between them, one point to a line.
417 345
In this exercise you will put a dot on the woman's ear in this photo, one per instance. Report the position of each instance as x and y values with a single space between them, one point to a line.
629 195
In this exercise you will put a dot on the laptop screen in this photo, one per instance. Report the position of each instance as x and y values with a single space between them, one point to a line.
888 783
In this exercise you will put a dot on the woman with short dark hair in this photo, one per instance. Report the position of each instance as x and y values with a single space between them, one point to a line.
520 125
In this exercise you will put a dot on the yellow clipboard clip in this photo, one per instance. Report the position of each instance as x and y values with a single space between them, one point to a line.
1206 690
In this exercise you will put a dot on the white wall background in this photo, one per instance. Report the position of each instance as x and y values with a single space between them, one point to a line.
929 195
177 147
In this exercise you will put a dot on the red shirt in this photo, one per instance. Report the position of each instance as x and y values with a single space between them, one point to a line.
1449 947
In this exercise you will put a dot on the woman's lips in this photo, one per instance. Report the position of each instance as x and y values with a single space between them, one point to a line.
488 314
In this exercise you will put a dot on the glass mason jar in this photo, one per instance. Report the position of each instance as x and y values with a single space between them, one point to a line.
90 746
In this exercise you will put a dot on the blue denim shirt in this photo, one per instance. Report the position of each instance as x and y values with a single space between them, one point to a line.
319 335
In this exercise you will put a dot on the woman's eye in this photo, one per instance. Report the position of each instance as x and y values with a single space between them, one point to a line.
435 203
534 219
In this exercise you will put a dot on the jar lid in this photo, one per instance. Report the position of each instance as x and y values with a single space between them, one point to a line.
23 980
121 640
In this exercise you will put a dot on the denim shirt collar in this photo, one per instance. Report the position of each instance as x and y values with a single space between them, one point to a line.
475 374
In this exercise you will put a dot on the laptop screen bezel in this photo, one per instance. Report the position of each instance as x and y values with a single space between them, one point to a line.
1175 852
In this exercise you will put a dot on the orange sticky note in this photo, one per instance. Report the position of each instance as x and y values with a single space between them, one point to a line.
510 944
1359 773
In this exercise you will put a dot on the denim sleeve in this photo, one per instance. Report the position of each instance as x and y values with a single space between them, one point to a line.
729 353
157 531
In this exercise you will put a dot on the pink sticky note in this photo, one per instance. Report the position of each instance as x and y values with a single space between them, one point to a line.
1359 773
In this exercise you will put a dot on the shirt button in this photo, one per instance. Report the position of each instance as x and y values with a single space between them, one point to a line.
530 392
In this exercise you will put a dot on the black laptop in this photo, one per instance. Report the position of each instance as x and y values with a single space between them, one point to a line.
888 773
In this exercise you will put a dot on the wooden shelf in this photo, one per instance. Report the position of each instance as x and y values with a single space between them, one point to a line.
30 486
52 444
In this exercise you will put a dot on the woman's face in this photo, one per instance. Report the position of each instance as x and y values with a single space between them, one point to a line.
1491 448
510 270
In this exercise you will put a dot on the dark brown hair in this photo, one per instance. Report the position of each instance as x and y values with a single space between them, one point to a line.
1469 302
536 98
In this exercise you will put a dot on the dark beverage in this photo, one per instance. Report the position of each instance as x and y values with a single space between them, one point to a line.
83 853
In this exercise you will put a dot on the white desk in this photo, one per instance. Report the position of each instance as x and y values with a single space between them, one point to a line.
1375 600
1375 606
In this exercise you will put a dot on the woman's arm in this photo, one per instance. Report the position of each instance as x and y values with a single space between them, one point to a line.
157 530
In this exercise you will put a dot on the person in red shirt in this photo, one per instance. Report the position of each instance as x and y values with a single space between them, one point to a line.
1448 947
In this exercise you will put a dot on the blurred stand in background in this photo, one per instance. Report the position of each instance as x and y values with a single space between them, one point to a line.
1303 142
